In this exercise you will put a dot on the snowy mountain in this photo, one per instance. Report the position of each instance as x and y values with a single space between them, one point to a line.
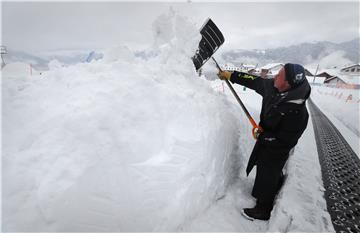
41 60
328 53
305 53
14 56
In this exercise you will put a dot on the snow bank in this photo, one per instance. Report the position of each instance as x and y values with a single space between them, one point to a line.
341 106
120 144
329 99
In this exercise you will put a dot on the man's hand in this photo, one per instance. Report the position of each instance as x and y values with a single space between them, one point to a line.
224 75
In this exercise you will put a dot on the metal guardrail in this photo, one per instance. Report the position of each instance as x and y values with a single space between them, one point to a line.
340 168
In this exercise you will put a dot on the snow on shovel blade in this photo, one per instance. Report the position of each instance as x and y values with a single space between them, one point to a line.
211 40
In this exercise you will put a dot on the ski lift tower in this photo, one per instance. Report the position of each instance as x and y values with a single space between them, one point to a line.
3 51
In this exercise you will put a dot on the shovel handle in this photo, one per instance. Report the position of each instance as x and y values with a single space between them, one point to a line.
256 128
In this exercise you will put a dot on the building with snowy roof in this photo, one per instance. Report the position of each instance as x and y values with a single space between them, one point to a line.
334 80
230 67
272 68
242 67
346 77
351 70
248 67
328 76
315 79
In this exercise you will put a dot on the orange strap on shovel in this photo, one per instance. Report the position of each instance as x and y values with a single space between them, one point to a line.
256 130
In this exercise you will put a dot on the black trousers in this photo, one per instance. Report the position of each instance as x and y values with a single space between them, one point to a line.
269 178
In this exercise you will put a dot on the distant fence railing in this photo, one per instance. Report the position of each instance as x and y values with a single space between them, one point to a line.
346 97
337 85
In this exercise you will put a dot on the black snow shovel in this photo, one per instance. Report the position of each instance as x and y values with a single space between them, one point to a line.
211 40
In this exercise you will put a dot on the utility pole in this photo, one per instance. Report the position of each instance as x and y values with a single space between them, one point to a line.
317 68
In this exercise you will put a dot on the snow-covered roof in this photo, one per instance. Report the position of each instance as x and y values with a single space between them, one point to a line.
350 66
350 79
317 79
272 65
248 66
347 78
334 72
313 71
330 71
332 79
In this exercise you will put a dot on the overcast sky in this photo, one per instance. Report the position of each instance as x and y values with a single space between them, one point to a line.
41 26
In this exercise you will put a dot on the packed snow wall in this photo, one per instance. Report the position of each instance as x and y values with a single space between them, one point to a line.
119 144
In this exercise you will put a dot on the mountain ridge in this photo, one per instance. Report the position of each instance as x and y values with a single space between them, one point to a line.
323 52
304 53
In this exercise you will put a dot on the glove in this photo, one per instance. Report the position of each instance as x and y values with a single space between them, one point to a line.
224 75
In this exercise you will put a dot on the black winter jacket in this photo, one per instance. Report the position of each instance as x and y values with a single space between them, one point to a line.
283 117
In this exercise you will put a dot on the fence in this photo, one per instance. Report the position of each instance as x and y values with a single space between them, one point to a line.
348 98
338 85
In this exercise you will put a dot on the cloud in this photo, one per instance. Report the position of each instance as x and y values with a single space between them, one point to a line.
334 59
47 25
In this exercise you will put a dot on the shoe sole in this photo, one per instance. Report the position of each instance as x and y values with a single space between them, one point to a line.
247 216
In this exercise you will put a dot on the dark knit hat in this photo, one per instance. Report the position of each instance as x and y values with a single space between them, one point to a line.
294 74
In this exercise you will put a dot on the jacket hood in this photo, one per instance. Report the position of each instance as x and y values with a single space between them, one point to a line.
299 94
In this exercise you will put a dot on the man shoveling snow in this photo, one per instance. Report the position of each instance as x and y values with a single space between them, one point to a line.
283 119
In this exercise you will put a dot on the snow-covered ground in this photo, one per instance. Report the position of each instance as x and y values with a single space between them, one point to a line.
131 144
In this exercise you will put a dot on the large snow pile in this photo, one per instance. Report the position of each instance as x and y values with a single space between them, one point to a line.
119 144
